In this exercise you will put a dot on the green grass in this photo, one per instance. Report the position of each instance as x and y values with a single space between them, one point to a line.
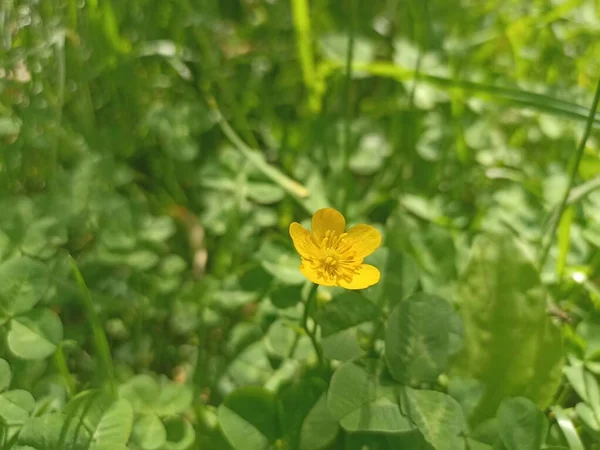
153 155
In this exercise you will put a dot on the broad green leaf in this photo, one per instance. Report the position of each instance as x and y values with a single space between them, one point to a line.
35 335
584 383
180 434
114 425
5 374
265 193
53 432
417 338
399 273
296 401
466 391
439 418
173 399
43 237
23 282
241 423
588 417
361 401
409 441
149 432
281 263
342 346
286 296
510 344
319 428
16 406
142 391
280 337
476 445
521 425
251 366
344 311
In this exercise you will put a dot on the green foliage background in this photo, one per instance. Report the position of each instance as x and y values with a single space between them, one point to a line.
153 154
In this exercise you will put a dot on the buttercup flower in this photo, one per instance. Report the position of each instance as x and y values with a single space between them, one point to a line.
332 257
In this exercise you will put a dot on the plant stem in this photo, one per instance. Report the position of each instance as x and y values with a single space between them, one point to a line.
348 89
574 169
312 334
100 340
61 363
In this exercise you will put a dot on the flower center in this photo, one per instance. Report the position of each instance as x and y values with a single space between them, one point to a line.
337 260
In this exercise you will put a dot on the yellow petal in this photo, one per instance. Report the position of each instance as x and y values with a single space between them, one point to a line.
302 241
327 219
364 239
367 276
312 275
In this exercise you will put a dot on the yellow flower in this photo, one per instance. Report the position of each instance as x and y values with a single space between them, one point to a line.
332 257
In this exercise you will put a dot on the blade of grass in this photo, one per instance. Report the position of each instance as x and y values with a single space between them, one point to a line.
255 157
302 27
564 240
100 340
61 364
538 102
568 429
572 175
348 89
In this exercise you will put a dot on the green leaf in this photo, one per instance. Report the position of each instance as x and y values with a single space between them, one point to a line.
43 236
244 427
510 344
142 391
173 399
23 282
345 311
53 432
342 346
5 374
149 432
476 445
280 338
409 441
417 338
16 406
286 296
265 193
590 332
438 416
362 401
521 425
180 434
319 428
296 401
35 335
281 263
584 383
568 428
113 426
399 274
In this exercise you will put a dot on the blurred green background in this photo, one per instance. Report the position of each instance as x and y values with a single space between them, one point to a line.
163 147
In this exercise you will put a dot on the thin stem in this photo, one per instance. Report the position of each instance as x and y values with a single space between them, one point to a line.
348 90
574 169
61 363
312 334
100 340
